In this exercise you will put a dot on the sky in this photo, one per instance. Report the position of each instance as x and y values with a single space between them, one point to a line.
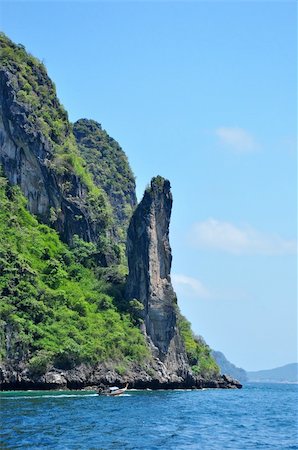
204 94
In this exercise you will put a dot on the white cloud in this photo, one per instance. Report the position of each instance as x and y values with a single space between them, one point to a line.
227 237
237 139
189 287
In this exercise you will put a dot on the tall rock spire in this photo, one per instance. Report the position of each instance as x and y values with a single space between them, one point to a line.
149 259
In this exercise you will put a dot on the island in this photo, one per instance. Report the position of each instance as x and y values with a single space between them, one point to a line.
85 285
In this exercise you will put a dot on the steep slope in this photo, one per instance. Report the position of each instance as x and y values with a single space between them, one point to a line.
66 318
149 259
110 168
39 153
55 313
60 323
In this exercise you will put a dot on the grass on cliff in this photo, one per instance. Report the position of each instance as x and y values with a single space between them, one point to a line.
36 98
198 352
53 309
110 168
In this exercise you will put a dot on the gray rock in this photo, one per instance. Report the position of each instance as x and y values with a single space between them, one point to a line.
149 260
150 376
27 156
55 379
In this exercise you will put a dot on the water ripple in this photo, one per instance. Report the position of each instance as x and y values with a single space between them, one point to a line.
257 417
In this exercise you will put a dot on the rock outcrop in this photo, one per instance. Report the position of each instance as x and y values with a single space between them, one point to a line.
86 376
38 150
25 156
110 168
149 260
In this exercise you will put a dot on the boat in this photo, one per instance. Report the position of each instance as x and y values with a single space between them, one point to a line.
113 391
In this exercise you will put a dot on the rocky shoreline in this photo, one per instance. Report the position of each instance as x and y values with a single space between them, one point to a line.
87 377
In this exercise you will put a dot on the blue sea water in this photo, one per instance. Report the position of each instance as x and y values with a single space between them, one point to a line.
260 416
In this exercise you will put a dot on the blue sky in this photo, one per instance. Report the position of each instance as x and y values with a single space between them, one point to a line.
203 93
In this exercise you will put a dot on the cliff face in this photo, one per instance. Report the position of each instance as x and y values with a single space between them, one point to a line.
149 260
66 322
25 157
38 152
111 171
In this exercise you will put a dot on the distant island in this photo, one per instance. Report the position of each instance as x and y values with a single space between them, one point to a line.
284 374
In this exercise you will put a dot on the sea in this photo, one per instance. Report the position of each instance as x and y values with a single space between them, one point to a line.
259 416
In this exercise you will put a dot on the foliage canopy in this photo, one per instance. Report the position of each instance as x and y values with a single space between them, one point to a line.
54 309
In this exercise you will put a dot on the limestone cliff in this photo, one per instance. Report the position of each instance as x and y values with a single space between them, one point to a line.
149 260
25 157
38 150
111 171
65 320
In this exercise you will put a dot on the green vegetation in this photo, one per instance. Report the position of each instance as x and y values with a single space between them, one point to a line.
53 309
198 352
63 305
46 119
36 91
158 181
109 166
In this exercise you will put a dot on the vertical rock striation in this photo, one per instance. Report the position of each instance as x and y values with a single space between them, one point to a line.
25 156
38 151
149 260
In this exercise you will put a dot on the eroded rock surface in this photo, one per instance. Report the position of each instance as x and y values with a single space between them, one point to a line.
27 156
104 374
38 152
149 260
